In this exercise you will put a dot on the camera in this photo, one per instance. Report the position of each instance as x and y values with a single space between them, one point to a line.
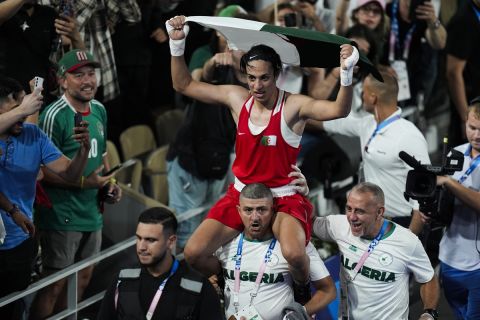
290 20
435 202
77 119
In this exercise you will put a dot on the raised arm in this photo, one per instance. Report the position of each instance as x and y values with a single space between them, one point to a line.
341 19
9 8
327 110
436 34
228 95
31 103
72 170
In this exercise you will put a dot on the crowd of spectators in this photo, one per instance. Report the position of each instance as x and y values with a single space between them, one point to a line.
110 59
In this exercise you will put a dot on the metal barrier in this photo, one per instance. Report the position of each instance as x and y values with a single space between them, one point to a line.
71 273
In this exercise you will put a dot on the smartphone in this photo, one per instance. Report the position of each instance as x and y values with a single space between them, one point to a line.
413 7
125 164
290 19
66 8
78 119
37 83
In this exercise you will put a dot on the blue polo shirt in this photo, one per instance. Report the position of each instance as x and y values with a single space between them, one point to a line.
20 160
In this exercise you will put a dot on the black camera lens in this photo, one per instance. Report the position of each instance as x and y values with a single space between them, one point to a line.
290 20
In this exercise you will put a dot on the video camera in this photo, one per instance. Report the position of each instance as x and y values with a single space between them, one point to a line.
435 202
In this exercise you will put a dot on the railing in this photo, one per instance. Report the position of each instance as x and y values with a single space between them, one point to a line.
71 273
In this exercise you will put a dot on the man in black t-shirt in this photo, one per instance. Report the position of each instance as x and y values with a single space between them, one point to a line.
463 66
182 293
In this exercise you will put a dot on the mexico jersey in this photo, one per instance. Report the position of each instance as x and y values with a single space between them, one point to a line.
265 157
77 209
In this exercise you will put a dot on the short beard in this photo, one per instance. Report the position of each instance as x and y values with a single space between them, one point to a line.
156 261
81 99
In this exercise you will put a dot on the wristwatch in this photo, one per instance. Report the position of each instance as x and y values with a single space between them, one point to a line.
432 312
436 24
14 209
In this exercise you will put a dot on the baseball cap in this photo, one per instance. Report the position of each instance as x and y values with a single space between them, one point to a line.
361 3
75 59
231 11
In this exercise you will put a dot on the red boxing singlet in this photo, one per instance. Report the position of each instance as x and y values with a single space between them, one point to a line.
264 158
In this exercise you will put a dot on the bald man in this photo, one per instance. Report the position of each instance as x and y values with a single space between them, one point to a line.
383 134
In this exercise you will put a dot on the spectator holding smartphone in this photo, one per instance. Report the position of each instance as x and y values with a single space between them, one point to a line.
71 230
411 49
23 148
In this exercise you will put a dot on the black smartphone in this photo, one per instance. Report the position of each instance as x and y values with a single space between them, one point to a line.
125 164
290 20
413 7
112 170
66 8
77 119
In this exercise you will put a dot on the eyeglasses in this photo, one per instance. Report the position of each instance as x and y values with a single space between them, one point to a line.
372 9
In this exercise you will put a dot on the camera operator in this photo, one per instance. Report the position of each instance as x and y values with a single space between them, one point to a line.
460 245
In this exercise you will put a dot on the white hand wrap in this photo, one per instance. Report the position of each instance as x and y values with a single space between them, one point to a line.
346 75
177 47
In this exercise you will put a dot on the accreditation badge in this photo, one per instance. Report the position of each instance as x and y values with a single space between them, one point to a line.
249 312
400 68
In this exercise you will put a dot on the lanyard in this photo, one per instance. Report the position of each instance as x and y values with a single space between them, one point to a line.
370 249
238 262
344 285
159 292
395 35
477 11
473 165
379 127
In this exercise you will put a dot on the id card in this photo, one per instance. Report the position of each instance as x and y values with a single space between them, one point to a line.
400 68
249 313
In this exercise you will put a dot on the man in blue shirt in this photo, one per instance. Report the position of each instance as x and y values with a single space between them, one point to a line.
23 148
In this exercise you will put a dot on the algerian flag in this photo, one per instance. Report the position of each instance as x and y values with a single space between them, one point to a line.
298 47
269 141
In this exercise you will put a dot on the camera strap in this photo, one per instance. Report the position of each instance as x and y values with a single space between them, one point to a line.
379 127
395 35
473 165
238 262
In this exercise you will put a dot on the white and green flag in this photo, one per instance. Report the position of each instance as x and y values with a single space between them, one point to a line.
296 47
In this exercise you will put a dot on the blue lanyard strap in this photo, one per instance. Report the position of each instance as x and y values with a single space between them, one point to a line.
477 11
379 127
395 35
473 165
370 249
238 262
